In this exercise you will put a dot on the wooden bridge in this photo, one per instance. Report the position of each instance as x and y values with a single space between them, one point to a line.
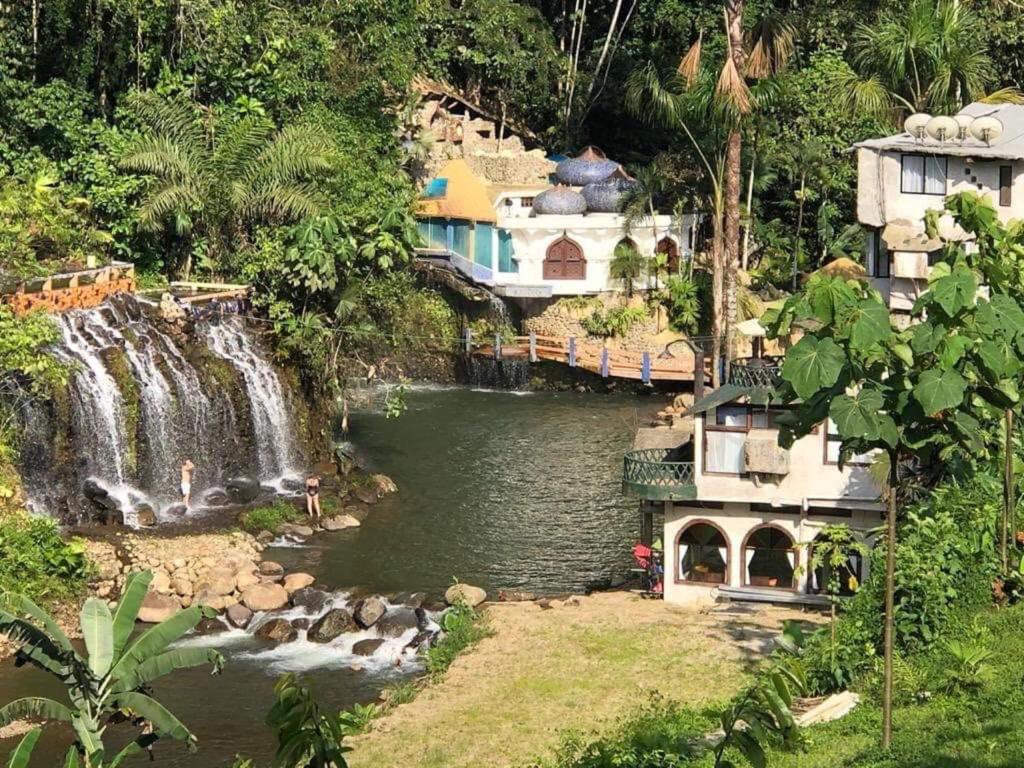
595 357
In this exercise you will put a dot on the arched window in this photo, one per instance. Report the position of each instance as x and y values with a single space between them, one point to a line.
668 246
564 261
769 558
626 242
848 574
702 554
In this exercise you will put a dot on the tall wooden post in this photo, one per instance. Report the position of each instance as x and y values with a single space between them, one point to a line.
533 347
645 368
572 351
604 362
698 373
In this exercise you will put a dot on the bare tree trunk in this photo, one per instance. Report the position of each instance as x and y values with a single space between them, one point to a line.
717 297
890 588
733 170
35 39
750 212
501 129
1009 495
799 228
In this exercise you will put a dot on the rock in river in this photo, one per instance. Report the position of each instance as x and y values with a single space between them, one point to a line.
296 581
239 616
335 622
367 647
293 529
265 597
339 523
368 611
145 516
397 621
242 490
270 568
277 631
309 599
465 593
383 484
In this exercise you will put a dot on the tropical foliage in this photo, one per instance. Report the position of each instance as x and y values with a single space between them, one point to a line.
112 677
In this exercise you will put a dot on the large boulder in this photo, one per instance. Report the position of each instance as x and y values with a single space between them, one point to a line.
156 608
245 578
397 622
365 493
145 516
309 599
213 600
367 647
270 568
465 593
422 639
277 631
339 523
410 599
176 510
242 490
359 511
335 622
296 581
368 611
383 484
219 581
295 529
239 616
265 597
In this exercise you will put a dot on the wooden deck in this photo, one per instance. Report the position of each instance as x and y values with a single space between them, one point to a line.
595 358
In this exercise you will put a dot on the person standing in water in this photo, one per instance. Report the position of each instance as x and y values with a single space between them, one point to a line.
313 497
186 482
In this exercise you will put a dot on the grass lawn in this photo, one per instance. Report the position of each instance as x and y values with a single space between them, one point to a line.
571 668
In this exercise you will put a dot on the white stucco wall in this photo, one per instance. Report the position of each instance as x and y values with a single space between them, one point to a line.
597 235
737 521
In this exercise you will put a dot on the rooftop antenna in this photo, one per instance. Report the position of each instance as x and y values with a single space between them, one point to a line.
986 129
963 126
915 125
942 128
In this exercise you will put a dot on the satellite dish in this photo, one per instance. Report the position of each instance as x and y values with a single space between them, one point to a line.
942 128
964 126
914 125
986 129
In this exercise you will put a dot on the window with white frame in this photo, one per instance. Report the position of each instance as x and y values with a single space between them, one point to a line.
725 432
832 444
923 175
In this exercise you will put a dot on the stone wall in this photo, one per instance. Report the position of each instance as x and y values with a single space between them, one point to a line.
80 290
564 318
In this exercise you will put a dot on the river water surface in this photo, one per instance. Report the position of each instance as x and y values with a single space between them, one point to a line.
500 489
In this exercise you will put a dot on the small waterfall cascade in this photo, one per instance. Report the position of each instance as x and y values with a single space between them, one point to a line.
143 396
507 373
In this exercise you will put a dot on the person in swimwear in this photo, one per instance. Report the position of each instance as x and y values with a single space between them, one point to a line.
313 497
187 469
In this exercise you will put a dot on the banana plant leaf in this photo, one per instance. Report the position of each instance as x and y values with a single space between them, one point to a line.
23 752
165 663
155 712
156 639
98 632
128 609
35 706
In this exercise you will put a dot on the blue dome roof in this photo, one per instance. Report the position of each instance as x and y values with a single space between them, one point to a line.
588 166
559 201
605 196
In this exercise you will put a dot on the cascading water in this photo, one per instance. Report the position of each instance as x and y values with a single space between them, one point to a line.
144 396
275 440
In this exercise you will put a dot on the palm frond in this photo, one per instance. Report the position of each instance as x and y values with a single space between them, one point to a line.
176 118
169 201
282 201
652 98
772 41
732 88
1008 95
689 65
239 147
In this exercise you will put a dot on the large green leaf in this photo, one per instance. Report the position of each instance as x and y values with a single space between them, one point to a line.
870 324
955 291
128 609
22 604
156 639
937 390
71 758
34 645
812 365
35 706
995 357
23 752
1009 315
156 713
856 416
98 633
165 663
830 297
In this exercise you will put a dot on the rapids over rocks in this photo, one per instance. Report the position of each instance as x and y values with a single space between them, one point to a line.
145 393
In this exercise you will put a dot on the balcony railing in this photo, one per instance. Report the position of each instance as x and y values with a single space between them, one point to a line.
760 372
648 474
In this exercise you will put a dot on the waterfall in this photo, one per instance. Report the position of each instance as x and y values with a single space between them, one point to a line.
275 440
508 373
143 396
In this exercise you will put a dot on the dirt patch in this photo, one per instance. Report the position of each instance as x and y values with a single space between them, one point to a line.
572 667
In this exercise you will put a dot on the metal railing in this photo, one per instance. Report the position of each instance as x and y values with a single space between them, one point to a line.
753 372
647 473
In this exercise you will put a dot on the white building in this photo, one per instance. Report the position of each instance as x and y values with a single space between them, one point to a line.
901 177
740 513
496 235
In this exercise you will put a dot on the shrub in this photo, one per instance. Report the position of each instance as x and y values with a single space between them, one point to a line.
616 322
270 518
463 627
36 562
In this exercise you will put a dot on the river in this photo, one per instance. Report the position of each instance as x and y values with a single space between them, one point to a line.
501 489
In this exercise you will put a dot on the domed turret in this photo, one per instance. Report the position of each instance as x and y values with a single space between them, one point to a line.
605 196
559 201
588 166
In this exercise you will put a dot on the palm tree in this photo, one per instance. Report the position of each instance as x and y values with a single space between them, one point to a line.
212 183
112 678
805 161
926 55
627 265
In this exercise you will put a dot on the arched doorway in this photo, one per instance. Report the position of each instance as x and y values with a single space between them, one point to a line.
848 575
564 261
668 246
769 558
702 554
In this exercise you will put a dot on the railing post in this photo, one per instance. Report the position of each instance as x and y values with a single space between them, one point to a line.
645 368
469 340
572 351
698 373
533 347
497 346
604 362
